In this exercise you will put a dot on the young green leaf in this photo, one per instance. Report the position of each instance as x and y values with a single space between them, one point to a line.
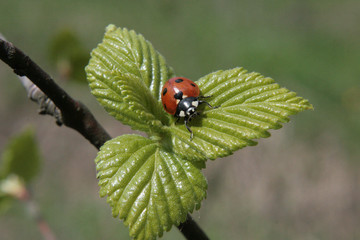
126 73
21 157
146 186
127 98
250 104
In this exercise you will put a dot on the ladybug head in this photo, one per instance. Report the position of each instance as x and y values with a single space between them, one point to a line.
187 107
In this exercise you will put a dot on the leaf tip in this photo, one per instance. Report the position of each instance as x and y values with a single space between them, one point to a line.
110 28
309 106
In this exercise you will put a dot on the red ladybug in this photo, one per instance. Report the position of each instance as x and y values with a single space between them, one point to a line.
181 97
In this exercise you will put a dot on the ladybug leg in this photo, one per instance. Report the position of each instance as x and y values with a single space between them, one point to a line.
188 128
201 101
192 116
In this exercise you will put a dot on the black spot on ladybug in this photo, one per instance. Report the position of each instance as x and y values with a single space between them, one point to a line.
179 80
165 91
192 84
165 106
178 95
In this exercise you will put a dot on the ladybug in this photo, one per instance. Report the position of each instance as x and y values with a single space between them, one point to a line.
181 97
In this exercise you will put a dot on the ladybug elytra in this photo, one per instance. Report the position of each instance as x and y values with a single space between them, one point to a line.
181 97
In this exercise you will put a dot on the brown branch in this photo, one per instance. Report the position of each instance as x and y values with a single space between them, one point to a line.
74 114
46 106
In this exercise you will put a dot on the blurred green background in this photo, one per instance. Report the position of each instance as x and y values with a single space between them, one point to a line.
301 183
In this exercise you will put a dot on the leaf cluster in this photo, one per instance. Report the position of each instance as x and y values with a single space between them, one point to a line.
153 182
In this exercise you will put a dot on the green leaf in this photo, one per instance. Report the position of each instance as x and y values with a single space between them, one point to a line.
21 157
125 74
68 55
250 105
146 186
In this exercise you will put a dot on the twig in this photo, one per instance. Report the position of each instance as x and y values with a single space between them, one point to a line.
74 114
35 214
191 230
13 186
47 107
